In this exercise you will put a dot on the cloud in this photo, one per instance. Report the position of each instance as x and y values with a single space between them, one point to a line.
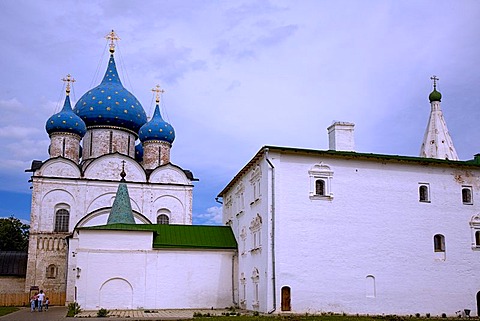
213 216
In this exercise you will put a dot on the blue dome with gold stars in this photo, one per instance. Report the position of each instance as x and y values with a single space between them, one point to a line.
110 104
157 129
139 152
66 121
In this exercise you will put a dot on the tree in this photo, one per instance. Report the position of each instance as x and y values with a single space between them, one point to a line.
13 234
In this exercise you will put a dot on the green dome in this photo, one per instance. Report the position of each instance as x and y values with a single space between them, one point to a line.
435 96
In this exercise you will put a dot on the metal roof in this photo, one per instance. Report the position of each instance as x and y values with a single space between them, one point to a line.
353 155
180 236
13 263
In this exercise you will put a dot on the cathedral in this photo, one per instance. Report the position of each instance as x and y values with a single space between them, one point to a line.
305 230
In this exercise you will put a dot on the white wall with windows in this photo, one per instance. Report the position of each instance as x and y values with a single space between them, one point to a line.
375 236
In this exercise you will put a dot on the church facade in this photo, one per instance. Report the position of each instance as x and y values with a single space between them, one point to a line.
118 264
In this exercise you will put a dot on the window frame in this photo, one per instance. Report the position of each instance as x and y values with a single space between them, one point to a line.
60 224
321 172
439 243
424 197
469 192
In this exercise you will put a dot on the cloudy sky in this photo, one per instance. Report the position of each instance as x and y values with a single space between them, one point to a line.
242 74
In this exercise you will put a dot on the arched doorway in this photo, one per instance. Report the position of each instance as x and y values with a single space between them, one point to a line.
286 299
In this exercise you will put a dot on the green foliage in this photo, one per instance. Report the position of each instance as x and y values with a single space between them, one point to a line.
7 310
13 235
102 313
73 309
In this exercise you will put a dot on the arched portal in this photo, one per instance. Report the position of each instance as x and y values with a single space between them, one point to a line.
116 293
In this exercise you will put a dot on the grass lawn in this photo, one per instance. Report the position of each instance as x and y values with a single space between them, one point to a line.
7 310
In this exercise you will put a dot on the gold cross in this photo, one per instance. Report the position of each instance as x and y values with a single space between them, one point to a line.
69 79
434 78
157 92
112 36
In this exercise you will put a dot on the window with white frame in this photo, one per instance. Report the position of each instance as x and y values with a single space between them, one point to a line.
321 177
243 239
239 205
243 294
467 195
255 280
256 229
475 230
62 218
163 216
424 192
255 179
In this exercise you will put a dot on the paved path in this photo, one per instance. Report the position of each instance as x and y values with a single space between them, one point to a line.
24 314
59 314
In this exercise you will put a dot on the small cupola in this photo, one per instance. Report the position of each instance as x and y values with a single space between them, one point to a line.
66 129
157 137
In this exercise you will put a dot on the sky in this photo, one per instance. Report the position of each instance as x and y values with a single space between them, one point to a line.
239 75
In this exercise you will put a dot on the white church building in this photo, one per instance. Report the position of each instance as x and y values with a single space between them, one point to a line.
305 230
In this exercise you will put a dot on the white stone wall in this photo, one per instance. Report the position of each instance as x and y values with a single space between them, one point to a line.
59 184
119 269
369 248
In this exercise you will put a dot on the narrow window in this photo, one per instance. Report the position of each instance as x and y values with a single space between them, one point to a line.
63 147
423 193
62 217
128 145
439 243
477 238
91 145
110 145
320 187
467 195
51 271
159 155
286 299
370 286
163 219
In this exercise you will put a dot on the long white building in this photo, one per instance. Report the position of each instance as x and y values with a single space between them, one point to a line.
341 231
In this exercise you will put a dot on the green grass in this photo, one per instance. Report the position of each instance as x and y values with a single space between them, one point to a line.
7 310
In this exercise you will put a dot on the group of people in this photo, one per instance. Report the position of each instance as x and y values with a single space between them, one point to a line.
39 302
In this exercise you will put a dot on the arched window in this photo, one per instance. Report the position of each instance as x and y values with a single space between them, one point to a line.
52 271
467 195
62 217
320 187
163 219
439 243
423 193
477 238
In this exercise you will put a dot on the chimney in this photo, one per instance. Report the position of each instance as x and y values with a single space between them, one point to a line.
340 136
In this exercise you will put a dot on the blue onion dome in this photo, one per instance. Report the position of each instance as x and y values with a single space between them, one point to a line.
66 121
110 104
139 152
157 129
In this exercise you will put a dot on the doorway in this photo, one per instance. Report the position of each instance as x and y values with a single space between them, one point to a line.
286 299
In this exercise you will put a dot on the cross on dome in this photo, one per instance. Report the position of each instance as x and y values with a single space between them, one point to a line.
157 92
122 173
69 79
434 78
112 36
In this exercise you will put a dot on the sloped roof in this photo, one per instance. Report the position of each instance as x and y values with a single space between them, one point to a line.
180 236
473 163
13 263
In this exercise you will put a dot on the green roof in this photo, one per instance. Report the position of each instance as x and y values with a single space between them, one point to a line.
180 236
474 163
